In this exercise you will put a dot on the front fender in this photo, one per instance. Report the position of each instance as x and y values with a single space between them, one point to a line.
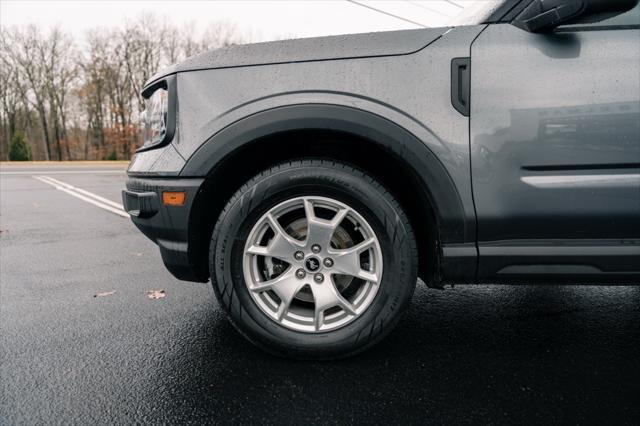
455 225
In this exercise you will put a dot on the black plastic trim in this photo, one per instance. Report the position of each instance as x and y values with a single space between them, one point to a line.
461 85
140 204
562 261
582 28
169 226
458 263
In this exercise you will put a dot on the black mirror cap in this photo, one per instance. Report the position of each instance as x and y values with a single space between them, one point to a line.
546 15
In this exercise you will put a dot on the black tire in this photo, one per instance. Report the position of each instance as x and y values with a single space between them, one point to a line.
314 178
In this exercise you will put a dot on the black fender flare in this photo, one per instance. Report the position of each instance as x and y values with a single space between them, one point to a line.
437 185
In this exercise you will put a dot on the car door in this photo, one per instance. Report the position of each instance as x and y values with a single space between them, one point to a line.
555 150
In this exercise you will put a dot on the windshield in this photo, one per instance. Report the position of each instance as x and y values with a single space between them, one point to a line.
474 12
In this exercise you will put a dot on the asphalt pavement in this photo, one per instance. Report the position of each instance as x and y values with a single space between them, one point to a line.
468 354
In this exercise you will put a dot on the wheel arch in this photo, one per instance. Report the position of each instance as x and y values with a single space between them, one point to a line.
394 156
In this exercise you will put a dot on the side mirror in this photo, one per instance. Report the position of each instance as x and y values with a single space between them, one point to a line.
545 15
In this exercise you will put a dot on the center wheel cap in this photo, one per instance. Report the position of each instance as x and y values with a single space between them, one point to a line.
312 264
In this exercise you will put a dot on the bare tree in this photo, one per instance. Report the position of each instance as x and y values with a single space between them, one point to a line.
87 104
221 34
10 99
61 70
188 41
24 50
172 44
142 41
93 90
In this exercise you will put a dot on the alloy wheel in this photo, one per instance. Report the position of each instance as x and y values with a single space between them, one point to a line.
312 264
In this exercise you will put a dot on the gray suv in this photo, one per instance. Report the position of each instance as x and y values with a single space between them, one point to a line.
313 181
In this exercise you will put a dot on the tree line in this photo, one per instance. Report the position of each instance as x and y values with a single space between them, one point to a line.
62 99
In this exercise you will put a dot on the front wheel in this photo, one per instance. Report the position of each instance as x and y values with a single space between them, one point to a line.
313 259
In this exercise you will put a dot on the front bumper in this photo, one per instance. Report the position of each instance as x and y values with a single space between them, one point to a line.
167 226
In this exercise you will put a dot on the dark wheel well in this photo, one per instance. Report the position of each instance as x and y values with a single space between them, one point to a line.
240 166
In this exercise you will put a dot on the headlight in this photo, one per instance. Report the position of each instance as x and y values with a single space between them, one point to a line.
156 115
160 112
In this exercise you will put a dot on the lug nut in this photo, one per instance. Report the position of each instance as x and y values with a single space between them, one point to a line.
328 262
298 255
318 278
300 273
315 248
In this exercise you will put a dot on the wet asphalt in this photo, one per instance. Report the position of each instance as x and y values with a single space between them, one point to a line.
468 354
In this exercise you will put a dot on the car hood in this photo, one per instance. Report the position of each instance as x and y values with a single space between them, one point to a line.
309 49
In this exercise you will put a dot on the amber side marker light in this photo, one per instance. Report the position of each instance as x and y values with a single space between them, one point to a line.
174 198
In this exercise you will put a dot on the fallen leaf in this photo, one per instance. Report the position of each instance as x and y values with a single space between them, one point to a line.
106 293
156 294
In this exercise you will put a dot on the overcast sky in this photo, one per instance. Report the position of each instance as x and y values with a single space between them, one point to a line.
262 20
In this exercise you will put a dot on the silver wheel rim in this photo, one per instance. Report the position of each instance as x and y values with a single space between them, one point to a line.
312 264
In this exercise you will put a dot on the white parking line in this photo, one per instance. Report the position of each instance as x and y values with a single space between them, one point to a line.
87 193
87 196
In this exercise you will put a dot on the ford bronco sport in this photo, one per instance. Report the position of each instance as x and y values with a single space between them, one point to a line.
314 180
